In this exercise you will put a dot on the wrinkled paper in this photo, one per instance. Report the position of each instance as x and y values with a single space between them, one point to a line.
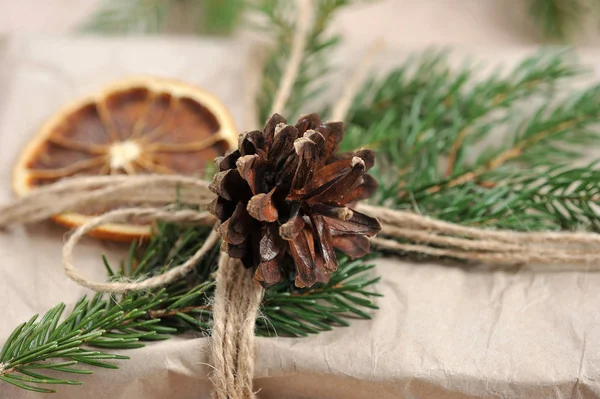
441 332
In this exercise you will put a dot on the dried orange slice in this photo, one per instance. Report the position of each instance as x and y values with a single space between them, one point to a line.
139 125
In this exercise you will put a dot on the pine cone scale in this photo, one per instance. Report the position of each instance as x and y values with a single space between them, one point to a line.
290 229
303 252
235 229
251 169
307 152
359 223
354 246
271 246
261 207
283 145
325 242
333 134
365 189
230 185
340 185
251 143
228 161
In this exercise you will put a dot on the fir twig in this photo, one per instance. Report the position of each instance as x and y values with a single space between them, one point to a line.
280 24
96 326
299 313
542 138
428 122
34 342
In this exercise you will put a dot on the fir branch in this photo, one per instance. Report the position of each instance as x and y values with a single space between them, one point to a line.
298 313
570 195
541 139
280 24
96 326
426 119
561 197
34 342
423 109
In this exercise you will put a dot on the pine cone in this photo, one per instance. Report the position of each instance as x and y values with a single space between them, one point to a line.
283 197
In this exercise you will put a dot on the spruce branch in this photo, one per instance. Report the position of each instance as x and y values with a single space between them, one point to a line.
278 16
424 109
560 197
428 121
59 341
551 134
298 313
34 342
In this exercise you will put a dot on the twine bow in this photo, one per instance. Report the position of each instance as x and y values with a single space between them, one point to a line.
237 296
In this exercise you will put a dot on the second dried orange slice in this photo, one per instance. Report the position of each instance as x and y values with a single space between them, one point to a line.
139 125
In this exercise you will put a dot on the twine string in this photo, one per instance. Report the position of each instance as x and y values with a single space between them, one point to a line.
305 10
402 231
149 215
342 106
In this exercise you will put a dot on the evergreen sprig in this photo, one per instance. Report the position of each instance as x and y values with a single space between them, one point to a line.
299 313
279 22
482 151
30 349
560 20
94 327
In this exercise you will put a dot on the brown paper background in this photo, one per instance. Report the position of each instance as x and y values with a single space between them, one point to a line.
441 332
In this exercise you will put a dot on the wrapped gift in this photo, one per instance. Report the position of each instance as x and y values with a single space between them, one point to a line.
441 331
